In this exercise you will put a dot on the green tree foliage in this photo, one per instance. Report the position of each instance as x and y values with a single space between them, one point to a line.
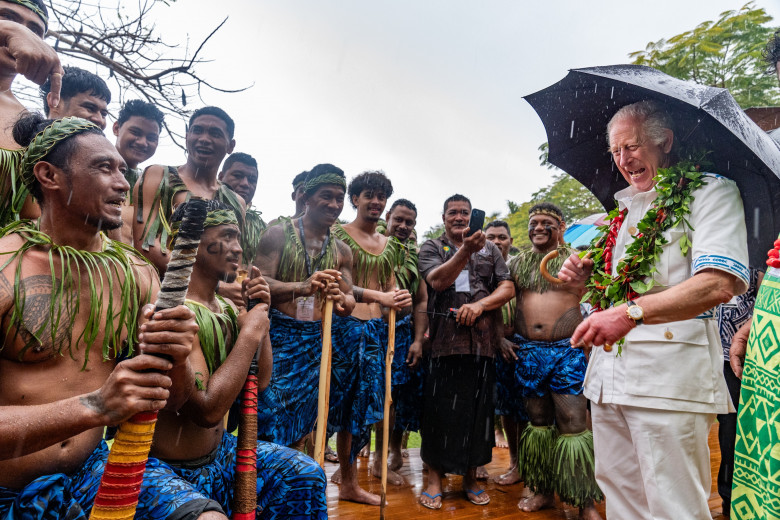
724 53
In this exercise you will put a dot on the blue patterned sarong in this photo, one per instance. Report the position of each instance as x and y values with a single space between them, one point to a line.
407 382
357 389
549 367
287 409
290 485
70 497
509 387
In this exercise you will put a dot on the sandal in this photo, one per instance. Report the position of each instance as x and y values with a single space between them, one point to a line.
435 505
476 494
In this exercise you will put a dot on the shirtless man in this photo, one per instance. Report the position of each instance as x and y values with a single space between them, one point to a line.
209 138
550 375
411 324
83 95
360 341
23 25
60 388
509 398
290 484
137 132
301 259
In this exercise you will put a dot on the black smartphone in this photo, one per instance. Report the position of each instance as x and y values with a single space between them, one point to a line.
476 221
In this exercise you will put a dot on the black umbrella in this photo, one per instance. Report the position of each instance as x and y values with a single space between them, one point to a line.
575 112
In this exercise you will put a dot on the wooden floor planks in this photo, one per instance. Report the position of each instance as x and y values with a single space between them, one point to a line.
403 504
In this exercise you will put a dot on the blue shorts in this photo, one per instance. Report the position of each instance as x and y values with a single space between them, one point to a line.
61 496
289 484
509 387
550 367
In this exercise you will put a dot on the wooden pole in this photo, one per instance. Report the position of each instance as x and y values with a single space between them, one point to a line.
323 397
388 400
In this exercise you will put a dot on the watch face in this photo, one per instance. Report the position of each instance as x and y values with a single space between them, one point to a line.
635 312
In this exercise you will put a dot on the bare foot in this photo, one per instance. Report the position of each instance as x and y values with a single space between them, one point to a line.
533 503
405 454
482 473
510 477
501 440
358 494
336 477
589 513
395 460
392 477
365 452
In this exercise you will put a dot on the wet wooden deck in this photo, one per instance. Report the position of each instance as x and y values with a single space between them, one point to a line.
403 504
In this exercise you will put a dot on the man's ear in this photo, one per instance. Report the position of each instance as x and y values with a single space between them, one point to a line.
387 217
116 128
669 139
49 176
231 146
220 175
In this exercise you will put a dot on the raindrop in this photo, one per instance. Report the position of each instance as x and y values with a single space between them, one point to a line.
70 196
571 132
756 214
178 435
612 93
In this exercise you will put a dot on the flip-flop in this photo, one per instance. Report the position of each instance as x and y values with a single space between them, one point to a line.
434 497
476 494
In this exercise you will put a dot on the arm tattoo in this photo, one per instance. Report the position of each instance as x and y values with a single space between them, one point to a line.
565 325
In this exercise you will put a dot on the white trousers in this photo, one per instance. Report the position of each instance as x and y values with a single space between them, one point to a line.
652 464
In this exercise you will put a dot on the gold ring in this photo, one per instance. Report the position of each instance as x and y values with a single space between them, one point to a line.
607 347
56 74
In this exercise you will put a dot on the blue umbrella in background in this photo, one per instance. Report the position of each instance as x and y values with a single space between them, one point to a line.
583 231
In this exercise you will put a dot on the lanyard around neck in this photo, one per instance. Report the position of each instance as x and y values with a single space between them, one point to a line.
309 268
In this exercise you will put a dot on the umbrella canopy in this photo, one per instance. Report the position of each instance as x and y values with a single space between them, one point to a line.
584 230
575 112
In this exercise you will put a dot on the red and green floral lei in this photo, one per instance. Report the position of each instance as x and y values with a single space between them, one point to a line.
675 186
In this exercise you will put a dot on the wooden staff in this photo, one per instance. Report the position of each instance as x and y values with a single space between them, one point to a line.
323 397
245 484
117 496
388 400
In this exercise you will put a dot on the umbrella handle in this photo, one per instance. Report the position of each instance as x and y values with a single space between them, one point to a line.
543 266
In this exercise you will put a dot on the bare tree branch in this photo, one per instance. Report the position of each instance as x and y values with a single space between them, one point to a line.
122 42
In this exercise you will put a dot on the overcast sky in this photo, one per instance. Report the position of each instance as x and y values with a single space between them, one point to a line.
430 91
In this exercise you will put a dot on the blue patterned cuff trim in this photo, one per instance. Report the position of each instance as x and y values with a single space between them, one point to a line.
723 263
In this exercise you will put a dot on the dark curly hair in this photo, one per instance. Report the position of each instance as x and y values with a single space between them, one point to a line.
372 180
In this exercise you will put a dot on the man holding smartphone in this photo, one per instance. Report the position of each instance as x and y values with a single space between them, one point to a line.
463 271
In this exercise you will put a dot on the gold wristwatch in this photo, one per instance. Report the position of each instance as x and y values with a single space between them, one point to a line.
635 312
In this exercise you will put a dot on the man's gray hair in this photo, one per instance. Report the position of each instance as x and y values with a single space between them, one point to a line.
653 119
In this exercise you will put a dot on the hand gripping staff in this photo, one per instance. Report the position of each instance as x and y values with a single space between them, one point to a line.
323 397
245 485
388 400
117 496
